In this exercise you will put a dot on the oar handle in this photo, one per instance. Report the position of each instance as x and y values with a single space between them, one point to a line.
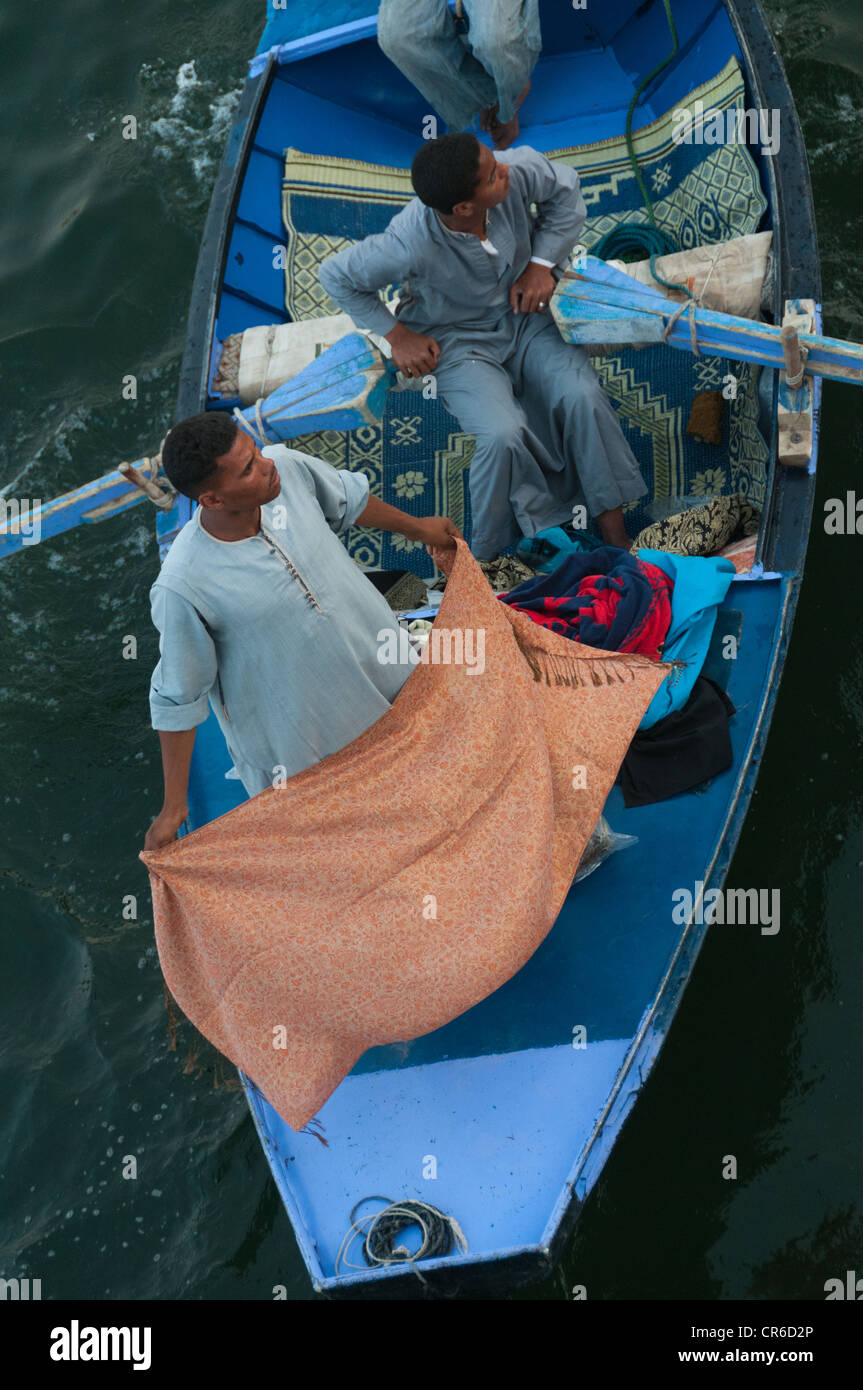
160 498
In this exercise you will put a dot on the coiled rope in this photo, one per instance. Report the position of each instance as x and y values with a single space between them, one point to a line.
439 1232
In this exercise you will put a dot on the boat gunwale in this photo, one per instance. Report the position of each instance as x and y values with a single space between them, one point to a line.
310 45
215 243
798 275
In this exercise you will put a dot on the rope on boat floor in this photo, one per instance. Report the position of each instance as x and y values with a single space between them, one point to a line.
637 239
439 1233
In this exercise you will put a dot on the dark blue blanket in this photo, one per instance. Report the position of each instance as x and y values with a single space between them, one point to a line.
604 598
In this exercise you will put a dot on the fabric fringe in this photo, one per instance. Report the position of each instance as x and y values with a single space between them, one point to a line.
584 671
307 1129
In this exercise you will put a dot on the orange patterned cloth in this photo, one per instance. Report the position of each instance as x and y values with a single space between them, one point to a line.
741 553
380 893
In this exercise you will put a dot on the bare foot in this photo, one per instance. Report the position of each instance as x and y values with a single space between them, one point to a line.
504 132
612 529
619 539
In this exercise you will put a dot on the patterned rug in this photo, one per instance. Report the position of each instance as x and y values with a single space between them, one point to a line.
418 458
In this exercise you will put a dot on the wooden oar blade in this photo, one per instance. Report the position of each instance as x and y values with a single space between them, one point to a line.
24 523
582 320
599 302
342 389
590 270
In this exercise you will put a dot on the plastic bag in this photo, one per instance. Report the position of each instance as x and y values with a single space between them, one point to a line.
603 842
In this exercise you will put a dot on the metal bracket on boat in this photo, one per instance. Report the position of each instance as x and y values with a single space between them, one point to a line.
795 412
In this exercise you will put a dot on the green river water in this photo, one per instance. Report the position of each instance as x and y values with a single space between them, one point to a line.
98 243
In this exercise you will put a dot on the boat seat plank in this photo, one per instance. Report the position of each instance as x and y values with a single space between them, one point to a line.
706 44
610 84
607 77
364 83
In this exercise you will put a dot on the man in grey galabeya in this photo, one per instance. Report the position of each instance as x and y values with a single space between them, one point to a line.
477 271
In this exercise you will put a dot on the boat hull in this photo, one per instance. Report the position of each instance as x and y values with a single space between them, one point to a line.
498 1118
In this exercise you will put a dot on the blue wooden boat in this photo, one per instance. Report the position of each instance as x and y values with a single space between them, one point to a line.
498 1120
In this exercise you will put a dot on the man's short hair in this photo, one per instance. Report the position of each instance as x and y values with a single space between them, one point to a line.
446 171
192 447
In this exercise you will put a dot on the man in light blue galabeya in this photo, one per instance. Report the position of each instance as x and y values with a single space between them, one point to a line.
262 614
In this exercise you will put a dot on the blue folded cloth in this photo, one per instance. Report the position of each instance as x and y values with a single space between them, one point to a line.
548 548
700 585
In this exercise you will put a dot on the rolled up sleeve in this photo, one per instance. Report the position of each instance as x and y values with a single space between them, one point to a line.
561 210
187 668
341 495
352 278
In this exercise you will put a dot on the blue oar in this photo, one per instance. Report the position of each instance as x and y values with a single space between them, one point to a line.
599 303
342 389
23 523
